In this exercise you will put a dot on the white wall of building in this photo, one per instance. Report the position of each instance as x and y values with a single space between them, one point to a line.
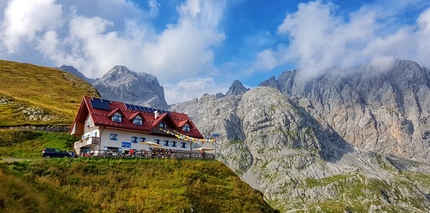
126 137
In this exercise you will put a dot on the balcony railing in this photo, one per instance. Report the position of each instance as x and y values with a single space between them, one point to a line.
87 142
178 154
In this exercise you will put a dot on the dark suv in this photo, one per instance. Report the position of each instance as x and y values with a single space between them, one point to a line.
55 153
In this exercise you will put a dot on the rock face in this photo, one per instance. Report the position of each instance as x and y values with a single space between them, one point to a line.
296 161
74 71
237 88
331 144
121 84
384 112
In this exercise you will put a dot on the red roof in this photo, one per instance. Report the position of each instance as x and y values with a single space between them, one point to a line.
103 109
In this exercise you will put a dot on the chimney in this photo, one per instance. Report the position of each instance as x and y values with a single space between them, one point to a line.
156 114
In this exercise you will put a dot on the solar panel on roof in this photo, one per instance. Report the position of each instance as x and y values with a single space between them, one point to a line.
97 104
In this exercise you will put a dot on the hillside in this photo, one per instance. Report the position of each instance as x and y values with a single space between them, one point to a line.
28 144
36 95
101 185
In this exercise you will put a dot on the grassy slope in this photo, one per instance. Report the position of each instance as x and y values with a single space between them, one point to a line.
29 144
91 185
102 185
56 92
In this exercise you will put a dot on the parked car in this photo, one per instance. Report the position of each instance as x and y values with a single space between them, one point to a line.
55 153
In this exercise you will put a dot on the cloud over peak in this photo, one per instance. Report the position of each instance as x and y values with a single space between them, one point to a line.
320 37
213 42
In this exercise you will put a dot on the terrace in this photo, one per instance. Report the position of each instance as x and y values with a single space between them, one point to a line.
154 153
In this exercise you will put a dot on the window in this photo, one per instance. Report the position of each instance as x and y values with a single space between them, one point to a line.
134 139
95 134
157 141
117 118
162 125
137 120
173 143
166 143
142 139
186 128
183 145
114 137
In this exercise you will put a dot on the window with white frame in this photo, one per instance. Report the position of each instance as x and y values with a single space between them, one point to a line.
133 139
137 120
173 143
186 128
157 141
183 145
117 117
142 139
86 136
114 137
166 143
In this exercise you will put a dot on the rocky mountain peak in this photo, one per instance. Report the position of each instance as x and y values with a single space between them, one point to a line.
278 147
237 88
122 84
118 74
271 82
74 71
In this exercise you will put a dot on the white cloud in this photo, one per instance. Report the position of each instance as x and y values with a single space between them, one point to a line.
153 5
94 36
25 18
191 88
320 38
266 60
382 63
94 44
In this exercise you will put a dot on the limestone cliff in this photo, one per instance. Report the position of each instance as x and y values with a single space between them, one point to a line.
387 112
337 143
122 84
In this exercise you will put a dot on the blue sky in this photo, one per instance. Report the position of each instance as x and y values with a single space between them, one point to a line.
195 47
